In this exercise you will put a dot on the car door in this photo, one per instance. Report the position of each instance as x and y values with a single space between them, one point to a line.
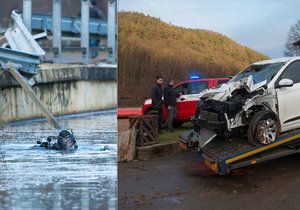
186 103
181 89
289 97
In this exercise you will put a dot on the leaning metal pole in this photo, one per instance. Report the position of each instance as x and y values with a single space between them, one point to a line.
26 87
56 28
111 31
85 16
27 13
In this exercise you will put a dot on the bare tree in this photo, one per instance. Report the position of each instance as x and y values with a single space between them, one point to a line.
293 36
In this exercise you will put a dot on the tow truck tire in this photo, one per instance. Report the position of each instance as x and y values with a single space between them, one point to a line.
263 128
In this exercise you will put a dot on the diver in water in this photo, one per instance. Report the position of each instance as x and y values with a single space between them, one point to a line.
64 141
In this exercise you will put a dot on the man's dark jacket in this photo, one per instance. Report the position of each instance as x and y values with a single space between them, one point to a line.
170 96
156 96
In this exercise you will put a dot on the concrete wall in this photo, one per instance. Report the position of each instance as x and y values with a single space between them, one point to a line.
64 89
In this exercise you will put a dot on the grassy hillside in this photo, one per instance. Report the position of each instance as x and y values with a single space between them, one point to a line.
149 47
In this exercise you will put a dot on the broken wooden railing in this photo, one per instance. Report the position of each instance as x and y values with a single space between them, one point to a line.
146 129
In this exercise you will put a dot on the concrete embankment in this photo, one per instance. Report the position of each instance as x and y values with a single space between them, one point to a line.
65 89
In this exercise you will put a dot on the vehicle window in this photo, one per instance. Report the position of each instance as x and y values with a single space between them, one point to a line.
183 88
291 72
197 87
259 73
220 82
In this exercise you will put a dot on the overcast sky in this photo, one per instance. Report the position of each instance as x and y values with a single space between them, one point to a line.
262 25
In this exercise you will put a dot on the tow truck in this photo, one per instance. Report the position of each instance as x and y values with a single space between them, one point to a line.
233 149
223 156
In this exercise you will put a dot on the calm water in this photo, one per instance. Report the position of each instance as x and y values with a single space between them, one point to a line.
43 179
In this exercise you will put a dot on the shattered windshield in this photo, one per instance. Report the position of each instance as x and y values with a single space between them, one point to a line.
259 73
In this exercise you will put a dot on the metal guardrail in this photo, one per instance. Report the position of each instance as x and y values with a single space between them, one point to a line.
23 49
19 38
28 62
84 25
69 25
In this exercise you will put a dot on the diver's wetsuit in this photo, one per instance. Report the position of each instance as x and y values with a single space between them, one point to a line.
64 141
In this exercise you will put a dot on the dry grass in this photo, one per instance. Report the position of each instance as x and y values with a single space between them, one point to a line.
167 137
148 47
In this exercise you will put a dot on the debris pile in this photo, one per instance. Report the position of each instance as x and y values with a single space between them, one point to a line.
21 48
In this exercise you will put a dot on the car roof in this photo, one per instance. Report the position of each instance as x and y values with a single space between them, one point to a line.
204 80
277 60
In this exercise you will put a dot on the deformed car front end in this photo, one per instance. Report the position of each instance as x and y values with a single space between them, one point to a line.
226 111
229 108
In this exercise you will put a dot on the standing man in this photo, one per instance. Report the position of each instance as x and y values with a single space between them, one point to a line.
170 103
157 102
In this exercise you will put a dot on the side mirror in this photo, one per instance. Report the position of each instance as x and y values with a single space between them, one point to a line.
286 83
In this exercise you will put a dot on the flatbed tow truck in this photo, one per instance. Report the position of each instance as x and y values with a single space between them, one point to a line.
223 156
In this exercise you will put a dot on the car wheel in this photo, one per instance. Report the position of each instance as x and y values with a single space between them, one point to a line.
263 128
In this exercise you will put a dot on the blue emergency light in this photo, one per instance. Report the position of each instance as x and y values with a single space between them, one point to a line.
194 77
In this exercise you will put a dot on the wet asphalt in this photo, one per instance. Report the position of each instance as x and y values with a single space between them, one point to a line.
182 181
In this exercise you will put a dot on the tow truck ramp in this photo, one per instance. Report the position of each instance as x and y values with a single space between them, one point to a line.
222 156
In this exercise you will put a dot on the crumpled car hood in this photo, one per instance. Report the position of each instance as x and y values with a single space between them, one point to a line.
225 91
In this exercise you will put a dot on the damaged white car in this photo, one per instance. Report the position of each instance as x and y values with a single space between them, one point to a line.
259 103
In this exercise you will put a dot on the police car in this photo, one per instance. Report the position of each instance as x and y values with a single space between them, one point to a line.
187 101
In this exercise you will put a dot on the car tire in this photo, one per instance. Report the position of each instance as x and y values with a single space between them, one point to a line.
263 128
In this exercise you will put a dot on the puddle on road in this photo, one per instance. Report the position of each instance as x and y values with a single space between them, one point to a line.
44 179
